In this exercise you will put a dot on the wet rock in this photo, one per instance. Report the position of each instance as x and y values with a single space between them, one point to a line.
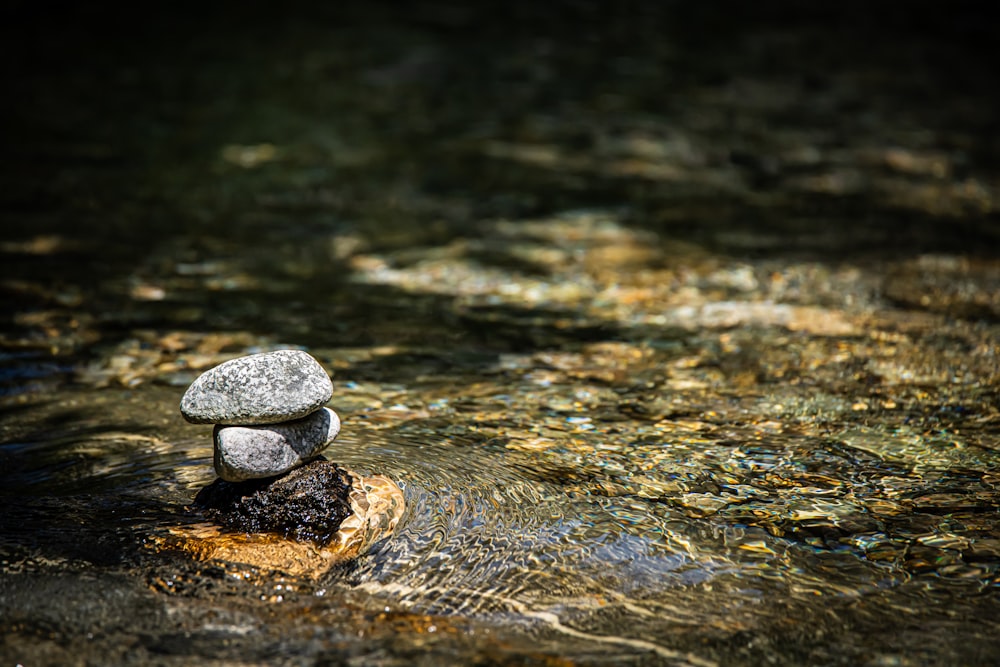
258 389
255 452
308 503
302 523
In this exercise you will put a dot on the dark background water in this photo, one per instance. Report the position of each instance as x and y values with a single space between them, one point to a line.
676 321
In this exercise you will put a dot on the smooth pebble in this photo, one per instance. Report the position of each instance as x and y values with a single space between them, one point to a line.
255 452
266 388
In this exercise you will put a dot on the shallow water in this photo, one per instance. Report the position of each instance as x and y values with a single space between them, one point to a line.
678 330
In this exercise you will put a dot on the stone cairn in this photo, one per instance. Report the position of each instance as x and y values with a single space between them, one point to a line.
278 505
268 411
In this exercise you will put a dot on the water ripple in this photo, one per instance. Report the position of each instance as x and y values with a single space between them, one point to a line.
481 537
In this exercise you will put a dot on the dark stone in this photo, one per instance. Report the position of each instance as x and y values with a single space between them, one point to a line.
309 503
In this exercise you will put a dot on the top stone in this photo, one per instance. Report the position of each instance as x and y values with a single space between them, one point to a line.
258 389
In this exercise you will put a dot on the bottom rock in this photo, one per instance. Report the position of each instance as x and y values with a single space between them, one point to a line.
308 503
300 524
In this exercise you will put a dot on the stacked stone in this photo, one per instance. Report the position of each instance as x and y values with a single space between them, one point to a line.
268 410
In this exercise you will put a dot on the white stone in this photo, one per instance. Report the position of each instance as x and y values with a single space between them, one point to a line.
266 388
255 452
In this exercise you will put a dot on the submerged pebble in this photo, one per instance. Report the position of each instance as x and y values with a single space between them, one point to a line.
257 389
254 452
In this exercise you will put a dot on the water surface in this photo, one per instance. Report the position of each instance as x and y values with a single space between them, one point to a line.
678 329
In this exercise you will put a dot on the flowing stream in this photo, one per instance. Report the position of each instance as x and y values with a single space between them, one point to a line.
678 330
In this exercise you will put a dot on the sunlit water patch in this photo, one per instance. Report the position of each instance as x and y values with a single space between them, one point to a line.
481 538
476 523
620 532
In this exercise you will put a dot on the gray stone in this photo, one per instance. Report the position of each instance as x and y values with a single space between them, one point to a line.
256 452
258 389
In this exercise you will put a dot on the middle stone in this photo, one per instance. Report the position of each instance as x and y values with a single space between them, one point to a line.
255 452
